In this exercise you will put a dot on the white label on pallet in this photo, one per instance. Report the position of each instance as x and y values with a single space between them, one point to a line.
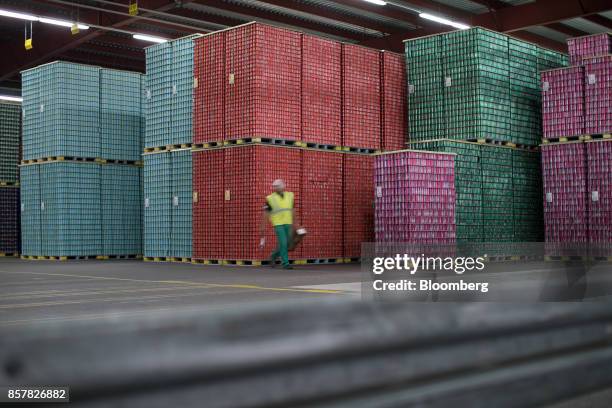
591 79
22 207
42 205
227 195
146 202
549 197
173 89
195 82
410 89
545 86
42 107
231 79
594 196
175 201
448 81
23 113
378 191
148 94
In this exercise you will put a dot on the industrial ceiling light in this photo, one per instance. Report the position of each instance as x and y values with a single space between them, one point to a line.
377 2
150 38
21 16
444 21
11 98
45 20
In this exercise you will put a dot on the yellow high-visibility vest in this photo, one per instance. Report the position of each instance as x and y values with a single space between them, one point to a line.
281 207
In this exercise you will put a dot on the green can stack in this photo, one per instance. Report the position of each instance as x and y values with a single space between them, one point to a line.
498 191
476 84
476 93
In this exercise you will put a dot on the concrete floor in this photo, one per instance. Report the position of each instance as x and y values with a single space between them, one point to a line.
33 292
47 292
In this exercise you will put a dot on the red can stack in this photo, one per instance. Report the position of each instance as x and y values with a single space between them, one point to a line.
208 203
209 88
361 97
321 91
394 101
415 197
322 204
249 173
565 192
589 46
358 217
598 94
599 154
563 102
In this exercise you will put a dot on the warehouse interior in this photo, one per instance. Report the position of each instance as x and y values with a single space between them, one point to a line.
237 202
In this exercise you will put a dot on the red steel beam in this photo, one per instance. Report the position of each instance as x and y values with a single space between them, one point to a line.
54 41
332 14
511 19
600 20
288 20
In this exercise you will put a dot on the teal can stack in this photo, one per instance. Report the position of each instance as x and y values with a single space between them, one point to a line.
476 93
82 171
168 204
167 150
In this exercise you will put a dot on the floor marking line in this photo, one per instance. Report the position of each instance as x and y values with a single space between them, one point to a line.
175 282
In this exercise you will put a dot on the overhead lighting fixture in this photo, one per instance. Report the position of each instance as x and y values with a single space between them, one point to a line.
45 20
377 2
149 38
11 98
21 16
444 21
62 23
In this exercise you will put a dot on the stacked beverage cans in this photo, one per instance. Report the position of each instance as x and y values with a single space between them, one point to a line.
588 46
598 94
562 102
415 197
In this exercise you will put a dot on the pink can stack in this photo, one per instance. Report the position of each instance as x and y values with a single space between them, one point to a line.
589 46
598 94
563 102
599 161
415 197
565 176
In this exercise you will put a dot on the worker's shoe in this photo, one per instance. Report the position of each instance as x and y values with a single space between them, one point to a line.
287 267
272 262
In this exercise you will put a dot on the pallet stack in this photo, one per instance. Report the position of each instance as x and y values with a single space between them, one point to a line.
575 153
10 150
81 171
271 103
415 197
476 93
167 150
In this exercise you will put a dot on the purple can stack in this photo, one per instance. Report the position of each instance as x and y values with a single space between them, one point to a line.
599 197
589 46
565 176
563 102
415 197
598 94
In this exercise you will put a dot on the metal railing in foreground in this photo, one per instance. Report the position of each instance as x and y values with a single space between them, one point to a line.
340 354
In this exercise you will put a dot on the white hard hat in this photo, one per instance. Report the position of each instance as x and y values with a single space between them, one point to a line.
278 183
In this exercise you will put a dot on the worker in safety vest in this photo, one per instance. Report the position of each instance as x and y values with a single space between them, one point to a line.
279 210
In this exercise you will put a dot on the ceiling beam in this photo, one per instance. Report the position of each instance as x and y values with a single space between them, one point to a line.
54 41
511 19
334 15
283 19
600 20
